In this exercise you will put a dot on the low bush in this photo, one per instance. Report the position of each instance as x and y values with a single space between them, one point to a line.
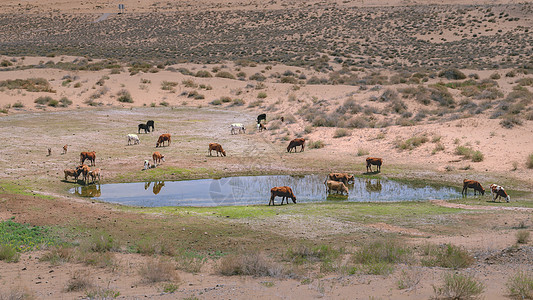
80 281
341 132
190 262
412 143
262 95
124 96
362 152
522 236
409 279
453 74
225 74
459 286
9 253
316 144
168 85
254 264
43 100
529 161
238 102
446 256
58 255
203 74
158 271
520 285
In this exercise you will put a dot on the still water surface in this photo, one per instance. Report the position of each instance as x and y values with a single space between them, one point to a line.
249 190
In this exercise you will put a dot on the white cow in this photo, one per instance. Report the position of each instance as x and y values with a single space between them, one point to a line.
237 128
133 138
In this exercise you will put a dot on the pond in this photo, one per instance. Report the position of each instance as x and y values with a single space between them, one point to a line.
250 190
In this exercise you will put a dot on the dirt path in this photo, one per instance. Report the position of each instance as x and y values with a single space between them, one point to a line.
478 207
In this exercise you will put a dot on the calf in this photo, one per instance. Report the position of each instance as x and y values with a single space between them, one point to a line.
261 127
144 127
373 161
237 128
336 186
91 156
165 137
65 149
150 123
133 139
158 157
71 173
473 185
96 173
295 143
284 192
83 169
498 191
216 147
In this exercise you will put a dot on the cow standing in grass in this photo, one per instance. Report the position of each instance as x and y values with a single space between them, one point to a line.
373 161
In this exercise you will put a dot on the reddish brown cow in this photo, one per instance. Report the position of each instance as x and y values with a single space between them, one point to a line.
91 156
158 157
295 143
65 149
373 161
83 169
216 147
343 177
473 185
162 138
71 173
281 191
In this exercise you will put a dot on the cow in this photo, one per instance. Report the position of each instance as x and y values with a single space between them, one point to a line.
71 173
343 177
147 165
296 142
498 191
216 147
150 123
83 169
91 156
96 173
65 149
281 191
261 117
133 139
261 127
336 186
237 128
373 161
158 157
162 138
144 127
474 185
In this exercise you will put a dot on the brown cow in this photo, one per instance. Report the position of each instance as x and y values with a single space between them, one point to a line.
71 173
281 191
498 191
216 147
162 138
65 149
343 177
91 156
473 185
83 169
296 142
336 186
96 173
158 157
373 161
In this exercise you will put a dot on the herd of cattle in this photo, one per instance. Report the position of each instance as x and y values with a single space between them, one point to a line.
336 182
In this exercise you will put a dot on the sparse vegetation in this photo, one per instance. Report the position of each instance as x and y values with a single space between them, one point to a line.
254 264
158 271
124 96
522 236
529 161
520 285
459 286
446 256
341 132
316 144
412 142
80 281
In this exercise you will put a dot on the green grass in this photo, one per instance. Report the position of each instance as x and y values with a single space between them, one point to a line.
15 188
447 256
520 285
23 237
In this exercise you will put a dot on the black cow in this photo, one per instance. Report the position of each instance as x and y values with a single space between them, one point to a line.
261 117
145 127
150 123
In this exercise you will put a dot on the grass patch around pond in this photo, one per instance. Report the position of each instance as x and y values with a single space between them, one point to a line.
15 188
23 237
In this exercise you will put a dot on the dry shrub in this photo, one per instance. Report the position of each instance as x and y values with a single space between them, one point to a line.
412 143
409 279
254 264
18 293
58 255
316 144
529 161
98 259
446 256
522 236
8 253
459 286
341 132
158 271
80 281
190 262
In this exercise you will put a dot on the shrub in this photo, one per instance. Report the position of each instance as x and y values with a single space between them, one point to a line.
102 293
438 147
8 253
466 152
158 271
288 79
409 279
316 144
18 104
80 281
203 74
225 74
452 74
529 161
477 156
168 85
53 103
238 102
520 285
58 255
361 152
216 102
190 262
253 264
258 77
458 286
189 83
377 256
225 99
163 103
510 122
43 100
262 95
302 254
65 102
495 76
100 242
124 96
412 143
522 236
341 132
447 256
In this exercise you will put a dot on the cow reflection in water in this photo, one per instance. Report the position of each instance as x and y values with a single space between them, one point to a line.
373 187
92 190
157 187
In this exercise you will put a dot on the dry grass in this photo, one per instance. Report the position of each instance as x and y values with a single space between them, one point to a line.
79 281
520 285
459 286
254 263
158 271
18 293
522 236
446 256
